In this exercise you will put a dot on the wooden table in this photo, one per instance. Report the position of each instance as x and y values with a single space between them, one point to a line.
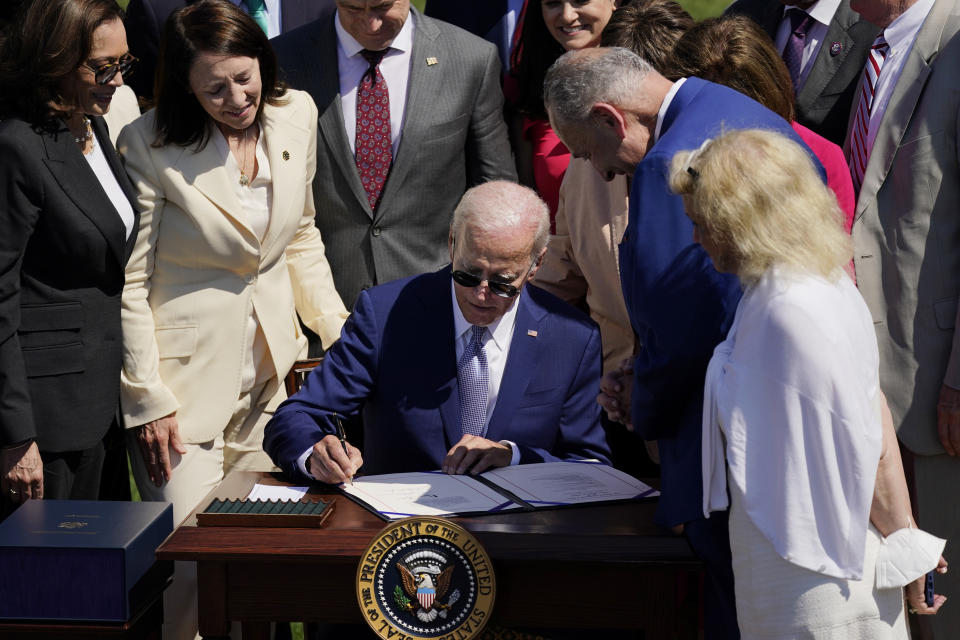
602 566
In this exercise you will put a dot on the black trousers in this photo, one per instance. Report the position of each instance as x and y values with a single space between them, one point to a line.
73 475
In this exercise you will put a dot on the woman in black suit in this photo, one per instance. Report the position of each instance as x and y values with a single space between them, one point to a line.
66 230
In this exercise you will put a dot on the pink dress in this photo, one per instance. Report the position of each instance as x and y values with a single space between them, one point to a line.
550 160
838 171
838 176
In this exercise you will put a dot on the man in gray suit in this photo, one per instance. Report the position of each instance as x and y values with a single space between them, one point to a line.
906 236
446 134
834 51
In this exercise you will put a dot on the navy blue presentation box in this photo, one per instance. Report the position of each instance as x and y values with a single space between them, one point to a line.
79 559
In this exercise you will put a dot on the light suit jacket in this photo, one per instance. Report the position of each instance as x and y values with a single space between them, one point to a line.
581 263
454 137
825 99
906 231
198 271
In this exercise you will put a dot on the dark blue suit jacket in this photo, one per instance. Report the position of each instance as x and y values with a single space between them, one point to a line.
679 305
395 364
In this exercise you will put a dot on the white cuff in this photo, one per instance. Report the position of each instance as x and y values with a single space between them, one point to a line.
905 555
515 455
302 462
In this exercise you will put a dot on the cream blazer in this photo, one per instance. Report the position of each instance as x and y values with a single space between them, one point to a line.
581 264
198 271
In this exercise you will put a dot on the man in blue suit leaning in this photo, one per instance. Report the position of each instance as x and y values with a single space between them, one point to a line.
610 106
464 369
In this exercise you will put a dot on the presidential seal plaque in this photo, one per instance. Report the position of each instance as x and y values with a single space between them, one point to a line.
425 579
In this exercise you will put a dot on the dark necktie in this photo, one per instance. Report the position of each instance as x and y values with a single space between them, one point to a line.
473 379
800 23
373 142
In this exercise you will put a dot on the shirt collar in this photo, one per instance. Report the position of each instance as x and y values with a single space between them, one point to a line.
900 33
822 11
350 47
664 106
501 330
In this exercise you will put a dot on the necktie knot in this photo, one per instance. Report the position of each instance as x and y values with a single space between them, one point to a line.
800 22
880 46
476 335
373 59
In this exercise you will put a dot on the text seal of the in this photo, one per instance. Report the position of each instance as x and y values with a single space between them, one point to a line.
425 578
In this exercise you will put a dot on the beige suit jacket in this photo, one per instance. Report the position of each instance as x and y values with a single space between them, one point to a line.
581 265
198 271
906 231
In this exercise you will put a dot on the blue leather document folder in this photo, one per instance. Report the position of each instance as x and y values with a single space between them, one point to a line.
81 559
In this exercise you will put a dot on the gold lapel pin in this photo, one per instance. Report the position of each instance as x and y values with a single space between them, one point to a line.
286 154
431 61
532 333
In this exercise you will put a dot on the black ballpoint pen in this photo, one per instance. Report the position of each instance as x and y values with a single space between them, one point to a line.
343 440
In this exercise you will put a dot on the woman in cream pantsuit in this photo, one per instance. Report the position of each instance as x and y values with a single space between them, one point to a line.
227 257
213 289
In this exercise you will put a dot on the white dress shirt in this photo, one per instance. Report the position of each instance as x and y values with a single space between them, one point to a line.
395 68
822 13
900 35
272 7
664 106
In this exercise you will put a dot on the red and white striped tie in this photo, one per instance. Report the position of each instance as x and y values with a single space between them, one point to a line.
859 151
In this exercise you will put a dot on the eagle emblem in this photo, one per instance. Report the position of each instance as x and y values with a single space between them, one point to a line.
426 579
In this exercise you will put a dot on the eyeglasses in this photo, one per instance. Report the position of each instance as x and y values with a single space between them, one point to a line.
469 280
106 72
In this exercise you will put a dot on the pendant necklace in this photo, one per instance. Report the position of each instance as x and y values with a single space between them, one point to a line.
87 132
244 179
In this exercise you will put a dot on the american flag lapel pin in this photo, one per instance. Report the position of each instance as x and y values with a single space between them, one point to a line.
431 61
532 333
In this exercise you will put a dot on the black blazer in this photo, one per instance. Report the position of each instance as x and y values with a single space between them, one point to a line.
826 98
145 20
62 255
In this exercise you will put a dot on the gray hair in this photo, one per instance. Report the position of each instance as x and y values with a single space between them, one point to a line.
580 79
498 205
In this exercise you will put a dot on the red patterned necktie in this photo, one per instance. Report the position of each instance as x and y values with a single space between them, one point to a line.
373 142
859 151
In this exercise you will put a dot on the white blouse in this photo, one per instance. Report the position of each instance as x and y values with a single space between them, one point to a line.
791 405
256 199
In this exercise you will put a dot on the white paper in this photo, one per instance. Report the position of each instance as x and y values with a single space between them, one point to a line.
433 493
273 492
551 484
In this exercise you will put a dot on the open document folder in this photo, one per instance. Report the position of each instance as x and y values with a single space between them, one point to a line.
526 486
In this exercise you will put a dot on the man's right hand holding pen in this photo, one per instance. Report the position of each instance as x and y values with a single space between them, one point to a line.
334 461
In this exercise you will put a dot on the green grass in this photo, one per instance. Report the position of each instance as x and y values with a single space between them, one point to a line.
701 9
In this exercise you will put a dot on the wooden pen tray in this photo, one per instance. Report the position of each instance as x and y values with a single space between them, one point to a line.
265 513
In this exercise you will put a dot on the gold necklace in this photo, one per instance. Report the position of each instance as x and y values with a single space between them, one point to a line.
244 179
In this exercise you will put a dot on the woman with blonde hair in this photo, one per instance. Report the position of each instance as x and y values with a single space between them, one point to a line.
795 426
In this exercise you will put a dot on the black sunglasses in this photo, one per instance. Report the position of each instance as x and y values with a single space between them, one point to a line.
106 72
469 280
